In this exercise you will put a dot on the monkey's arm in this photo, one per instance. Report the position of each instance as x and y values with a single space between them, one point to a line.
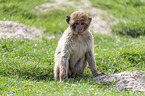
92 63
64 62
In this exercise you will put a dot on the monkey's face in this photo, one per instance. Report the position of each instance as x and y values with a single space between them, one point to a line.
79 26
78 22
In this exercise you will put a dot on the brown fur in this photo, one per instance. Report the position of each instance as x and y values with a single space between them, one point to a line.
79 16
74 50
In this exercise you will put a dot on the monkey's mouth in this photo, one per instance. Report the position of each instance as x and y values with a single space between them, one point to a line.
79 31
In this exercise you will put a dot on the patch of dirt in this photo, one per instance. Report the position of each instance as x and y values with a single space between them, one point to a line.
10 29
125 81
16 29
99 25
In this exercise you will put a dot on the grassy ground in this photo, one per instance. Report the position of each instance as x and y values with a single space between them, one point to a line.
27 65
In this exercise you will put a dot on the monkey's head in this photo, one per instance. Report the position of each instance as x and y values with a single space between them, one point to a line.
79 21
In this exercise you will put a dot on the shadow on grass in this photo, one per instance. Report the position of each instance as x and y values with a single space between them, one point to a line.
91 80
33 74
134 57
48 76
129 29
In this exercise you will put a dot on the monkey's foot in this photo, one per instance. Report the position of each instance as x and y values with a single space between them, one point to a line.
100 74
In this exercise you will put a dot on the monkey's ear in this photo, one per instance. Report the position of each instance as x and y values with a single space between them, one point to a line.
90 18
67 19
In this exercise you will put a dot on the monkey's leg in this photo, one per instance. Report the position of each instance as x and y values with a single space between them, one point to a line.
56 66
63 69
56 71
79 67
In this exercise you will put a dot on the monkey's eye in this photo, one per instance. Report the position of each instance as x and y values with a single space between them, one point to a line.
82 23
77 23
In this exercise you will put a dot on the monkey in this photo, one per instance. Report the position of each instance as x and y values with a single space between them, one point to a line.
75 48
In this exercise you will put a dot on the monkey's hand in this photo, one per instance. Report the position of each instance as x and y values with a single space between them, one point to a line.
100 74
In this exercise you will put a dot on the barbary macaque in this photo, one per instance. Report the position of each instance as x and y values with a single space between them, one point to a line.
75 49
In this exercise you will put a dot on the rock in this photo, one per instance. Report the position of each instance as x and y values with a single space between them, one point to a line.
126 81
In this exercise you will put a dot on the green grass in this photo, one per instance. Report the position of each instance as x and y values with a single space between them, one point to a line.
22 87
75 0
120 53
27 65
131 11
29 59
